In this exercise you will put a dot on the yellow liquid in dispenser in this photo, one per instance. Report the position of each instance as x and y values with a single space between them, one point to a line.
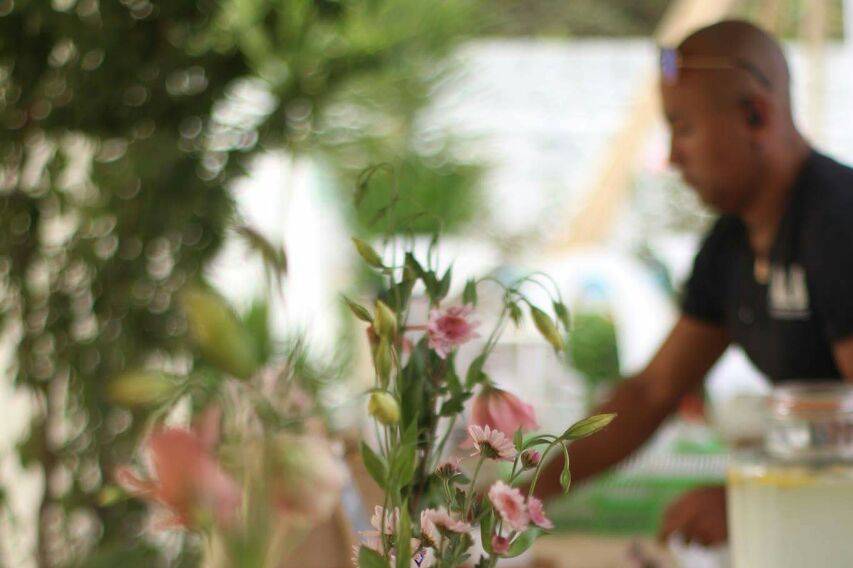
786 516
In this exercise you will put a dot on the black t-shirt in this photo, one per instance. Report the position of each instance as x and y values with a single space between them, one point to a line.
787 326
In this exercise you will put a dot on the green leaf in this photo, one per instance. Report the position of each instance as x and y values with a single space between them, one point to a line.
368 558
486 532
404 544
444 284
515 313
397 297
370 256
587 426
518 440
562 314
412 264
455 404
403 465
475 371
522 542
358 310
469 294
374 465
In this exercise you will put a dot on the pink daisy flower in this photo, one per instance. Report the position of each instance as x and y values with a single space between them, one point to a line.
537 514
509 503
434 522
391 519
450 328
490 443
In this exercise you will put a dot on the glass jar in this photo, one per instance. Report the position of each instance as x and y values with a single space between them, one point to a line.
790 502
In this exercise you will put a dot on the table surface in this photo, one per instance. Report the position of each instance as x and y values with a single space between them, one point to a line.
594 551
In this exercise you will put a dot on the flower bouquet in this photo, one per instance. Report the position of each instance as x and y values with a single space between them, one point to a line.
432 511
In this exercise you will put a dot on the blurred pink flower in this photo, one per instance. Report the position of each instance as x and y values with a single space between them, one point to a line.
424 558
509 503
187 479
421 557
491 443
391 520
502 411
500 544
308 477
450 328
537 514
449 467
434 522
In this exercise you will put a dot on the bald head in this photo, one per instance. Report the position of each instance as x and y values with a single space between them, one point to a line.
728 105
750 49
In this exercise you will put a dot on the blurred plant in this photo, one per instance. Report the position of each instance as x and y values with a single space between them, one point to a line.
123 125
593 349
254 490
418 396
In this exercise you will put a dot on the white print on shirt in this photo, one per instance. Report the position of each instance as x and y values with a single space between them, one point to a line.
788 293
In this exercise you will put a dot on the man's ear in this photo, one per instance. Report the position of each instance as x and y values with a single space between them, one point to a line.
755 112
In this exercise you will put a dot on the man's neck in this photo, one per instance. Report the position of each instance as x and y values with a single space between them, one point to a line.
765 212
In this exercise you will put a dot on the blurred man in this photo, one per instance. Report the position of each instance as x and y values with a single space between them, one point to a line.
774 275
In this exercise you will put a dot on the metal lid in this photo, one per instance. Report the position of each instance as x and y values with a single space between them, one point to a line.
811 422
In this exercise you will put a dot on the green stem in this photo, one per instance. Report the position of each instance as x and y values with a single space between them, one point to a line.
470 497
539 467
440 450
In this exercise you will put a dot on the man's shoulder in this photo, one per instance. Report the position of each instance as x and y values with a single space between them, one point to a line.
827 227
830 189
723 232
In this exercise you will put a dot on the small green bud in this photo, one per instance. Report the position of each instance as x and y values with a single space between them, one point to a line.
383 359
546 327
384 321
370 256
140 388
383 407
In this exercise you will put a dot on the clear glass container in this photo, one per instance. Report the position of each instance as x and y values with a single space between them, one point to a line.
790 502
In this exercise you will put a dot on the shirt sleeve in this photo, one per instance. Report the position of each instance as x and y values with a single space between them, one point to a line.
702 297
831 276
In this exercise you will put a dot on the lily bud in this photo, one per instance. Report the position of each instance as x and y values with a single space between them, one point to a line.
383 407
383 359
218 334
141 388
370 256
546 327
384 321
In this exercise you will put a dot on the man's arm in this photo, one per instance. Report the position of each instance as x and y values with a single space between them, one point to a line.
643 402
843 351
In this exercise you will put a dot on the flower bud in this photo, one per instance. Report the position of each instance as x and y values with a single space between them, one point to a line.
219 335
141 388
448 469
383 359
530 459
370 256
546 327
383 407
384 321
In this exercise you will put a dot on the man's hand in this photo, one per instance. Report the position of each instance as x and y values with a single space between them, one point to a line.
698 515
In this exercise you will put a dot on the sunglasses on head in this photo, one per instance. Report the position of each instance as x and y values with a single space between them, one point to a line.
672 62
